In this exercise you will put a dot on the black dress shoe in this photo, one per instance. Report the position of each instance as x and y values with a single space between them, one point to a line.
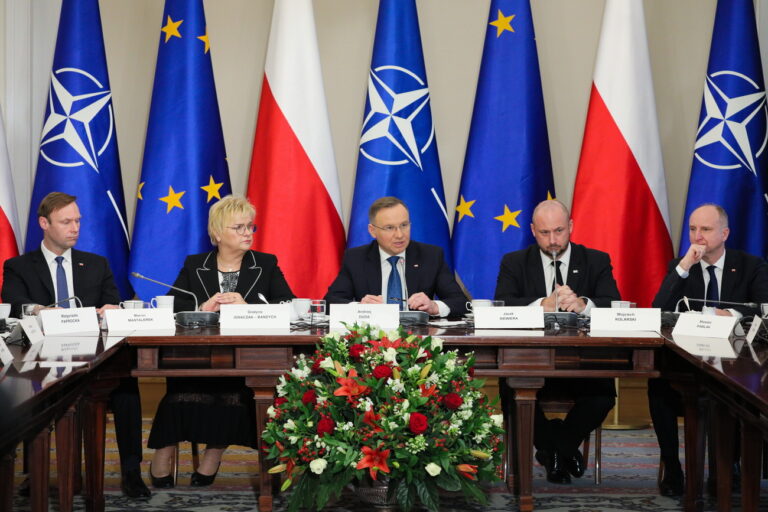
24 488
161 482
672 483
574 464
133 486
556 472
201 480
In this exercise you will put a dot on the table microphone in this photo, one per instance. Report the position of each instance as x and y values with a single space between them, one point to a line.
186 318
688 300
62 301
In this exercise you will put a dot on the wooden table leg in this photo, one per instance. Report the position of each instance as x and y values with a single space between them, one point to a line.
94 415
6 480
65 458
751 453
40 460
721 439
695 406
525 402
508 409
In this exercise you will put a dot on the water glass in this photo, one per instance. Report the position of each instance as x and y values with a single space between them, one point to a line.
620 304
133 304
317 311
29 310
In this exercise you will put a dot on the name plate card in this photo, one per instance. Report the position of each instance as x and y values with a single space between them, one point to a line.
385 316
138 320
69 321
68 346
625 319
705 347
509 317
31 328
705 326
757 322
260 316
5 355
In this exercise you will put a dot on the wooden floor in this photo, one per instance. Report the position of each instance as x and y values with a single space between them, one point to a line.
632 403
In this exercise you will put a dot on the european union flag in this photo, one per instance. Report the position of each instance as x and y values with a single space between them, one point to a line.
78 145
729 157
398 149
185 168
507 168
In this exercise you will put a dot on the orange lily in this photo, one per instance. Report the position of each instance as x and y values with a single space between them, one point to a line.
374 460
428 390
468 470
370 418
349 386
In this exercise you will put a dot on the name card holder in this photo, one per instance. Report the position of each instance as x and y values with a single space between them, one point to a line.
509 317
625 321
255 316
5 355
385 316
138 321
705 347
705 326
757 326
65 321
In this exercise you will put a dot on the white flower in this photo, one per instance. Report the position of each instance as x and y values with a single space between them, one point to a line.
437 344
293 439
318 384
390 355
299 373
366 404
479 437
280 386
396 385
405 404
407 418
393 335
450 364
321 399
290 425
498 420
318 466
465 414
433 469
335 335
393 425
421 353
433 378
271 412
327 364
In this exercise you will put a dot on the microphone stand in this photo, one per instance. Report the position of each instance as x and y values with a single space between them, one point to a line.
194 318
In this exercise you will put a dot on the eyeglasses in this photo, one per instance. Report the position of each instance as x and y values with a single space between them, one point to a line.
404 228
243 229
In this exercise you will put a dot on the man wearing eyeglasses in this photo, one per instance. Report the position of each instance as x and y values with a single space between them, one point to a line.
396 270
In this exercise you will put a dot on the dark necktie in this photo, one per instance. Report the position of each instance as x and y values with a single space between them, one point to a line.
558 276
61 283
394 286
712 294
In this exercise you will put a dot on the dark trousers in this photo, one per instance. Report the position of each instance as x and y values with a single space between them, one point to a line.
126 407
593 400
665 404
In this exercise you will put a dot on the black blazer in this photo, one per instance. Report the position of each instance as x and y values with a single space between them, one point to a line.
745 279
27 280
259 273
426 271
521 276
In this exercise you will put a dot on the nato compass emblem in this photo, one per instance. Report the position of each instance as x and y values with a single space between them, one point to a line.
734 130
79 123
397 119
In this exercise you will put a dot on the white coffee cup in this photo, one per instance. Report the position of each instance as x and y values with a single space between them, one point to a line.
132 304
764 309
162 302
301 308
479 303
620 303
5 310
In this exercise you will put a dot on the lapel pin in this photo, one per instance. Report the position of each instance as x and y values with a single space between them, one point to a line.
81 264
415 265
575 271
733 270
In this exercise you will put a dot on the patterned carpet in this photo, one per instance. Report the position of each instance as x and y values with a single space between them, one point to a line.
630 464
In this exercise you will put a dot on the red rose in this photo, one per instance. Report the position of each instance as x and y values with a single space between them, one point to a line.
325 426
471 371
316 365
452 401
417 423
382 372
280 401
356 351
309 397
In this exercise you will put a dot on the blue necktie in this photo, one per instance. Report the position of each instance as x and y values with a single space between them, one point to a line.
712 294
61 283
394 286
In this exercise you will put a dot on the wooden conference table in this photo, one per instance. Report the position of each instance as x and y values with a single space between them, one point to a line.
523 361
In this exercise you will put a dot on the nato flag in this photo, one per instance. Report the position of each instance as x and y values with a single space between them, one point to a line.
507 168
78 145
729 156
185 168
398 149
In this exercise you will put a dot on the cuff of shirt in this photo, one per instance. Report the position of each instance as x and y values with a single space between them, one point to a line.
682 273
443 309
537 302
735 313
590 305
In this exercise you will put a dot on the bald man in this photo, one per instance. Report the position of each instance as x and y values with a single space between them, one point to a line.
556 272
738 276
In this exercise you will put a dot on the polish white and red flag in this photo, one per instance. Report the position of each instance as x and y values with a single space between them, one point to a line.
293 180
9 218
620 196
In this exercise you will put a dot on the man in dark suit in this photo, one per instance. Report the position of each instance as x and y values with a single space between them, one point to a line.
708 272
373 273
55 272
557 274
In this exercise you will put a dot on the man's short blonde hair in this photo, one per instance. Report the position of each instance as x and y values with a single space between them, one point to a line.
223 211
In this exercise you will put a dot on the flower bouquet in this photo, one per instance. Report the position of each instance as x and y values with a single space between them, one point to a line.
392 406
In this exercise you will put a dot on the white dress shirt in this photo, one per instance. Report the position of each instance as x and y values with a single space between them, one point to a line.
719 266
386 269
50 259
549 276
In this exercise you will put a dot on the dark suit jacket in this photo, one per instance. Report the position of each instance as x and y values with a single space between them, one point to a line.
745 279
259 273
426 271
27 280
521 276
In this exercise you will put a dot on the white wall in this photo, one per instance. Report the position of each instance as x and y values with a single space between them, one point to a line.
452 32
